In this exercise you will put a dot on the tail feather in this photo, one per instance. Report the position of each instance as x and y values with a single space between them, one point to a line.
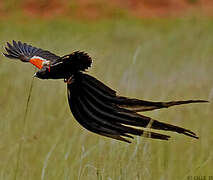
132 104
117 109
140 105
168 127
102 120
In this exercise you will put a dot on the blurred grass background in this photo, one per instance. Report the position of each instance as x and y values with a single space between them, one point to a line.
152 59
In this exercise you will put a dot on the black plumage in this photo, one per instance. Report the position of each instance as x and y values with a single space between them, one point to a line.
103 108
94 105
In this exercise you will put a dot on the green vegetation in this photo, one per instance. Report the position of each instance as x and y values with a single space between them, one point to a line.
157 60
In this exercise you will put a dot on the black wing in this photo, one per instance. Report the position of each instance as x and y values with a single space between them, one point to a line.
97 108
24 52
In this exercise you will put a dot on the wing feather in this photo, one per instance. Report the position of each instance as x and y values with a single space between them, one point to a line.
12 53
12 48
24 52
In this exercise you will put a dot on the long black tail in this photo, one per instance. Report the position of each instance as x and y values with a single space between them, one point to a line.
140 105
98 109
135 105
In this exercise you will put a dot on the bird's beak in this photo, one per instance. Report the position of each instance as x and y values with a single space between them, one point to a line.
35 75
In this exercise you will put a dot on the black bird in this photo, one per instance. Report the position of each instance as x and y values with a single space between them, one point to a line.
94 105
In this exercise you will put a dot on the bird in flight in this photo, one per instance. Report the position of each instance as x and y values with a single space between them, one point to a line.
93 104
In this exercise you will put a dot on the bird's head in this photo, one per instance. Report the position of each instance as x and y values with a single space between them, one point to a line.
64 67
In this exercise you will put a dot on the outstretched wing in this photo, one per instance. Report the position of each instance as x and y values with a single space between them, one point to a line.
25 52
96 107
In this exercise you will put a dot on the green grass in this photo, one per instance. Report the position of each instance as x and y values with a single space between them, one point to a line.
157 60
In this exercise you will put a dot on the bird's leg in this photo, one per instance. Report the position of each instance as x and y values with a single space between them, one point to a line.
69 80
